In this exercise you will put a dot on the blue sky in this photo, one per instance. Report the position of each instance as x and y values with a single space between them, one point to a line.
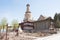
15 9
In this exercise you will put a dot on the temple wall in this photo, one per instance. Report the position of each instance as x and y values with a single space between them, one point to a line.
44 25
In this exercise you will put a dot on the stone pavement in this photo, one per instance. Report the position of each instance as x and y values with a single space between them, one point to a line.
22 36
12 36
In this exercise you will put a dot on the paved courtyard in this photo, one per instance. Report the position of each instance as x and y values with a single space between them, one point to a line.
28 36
12 36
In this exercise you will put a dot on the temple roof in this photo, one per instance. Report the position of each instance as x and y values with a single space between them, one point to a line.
41 17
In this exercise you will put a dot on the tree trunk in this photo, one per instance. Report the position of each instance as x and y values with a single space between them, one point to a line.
3 28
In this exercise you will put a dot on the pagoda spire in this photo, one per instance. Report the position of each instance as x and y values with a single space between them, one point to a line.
28 8
28 15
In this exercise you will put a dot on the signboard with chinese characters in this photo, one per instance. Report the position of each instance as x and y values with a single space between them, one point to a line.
28 26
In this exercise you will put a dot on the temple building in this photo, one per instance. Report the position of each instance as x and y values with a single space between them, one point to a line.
43 24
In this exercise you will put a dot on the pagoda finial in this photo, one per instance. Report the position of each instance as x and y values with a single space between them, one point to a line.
28 8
